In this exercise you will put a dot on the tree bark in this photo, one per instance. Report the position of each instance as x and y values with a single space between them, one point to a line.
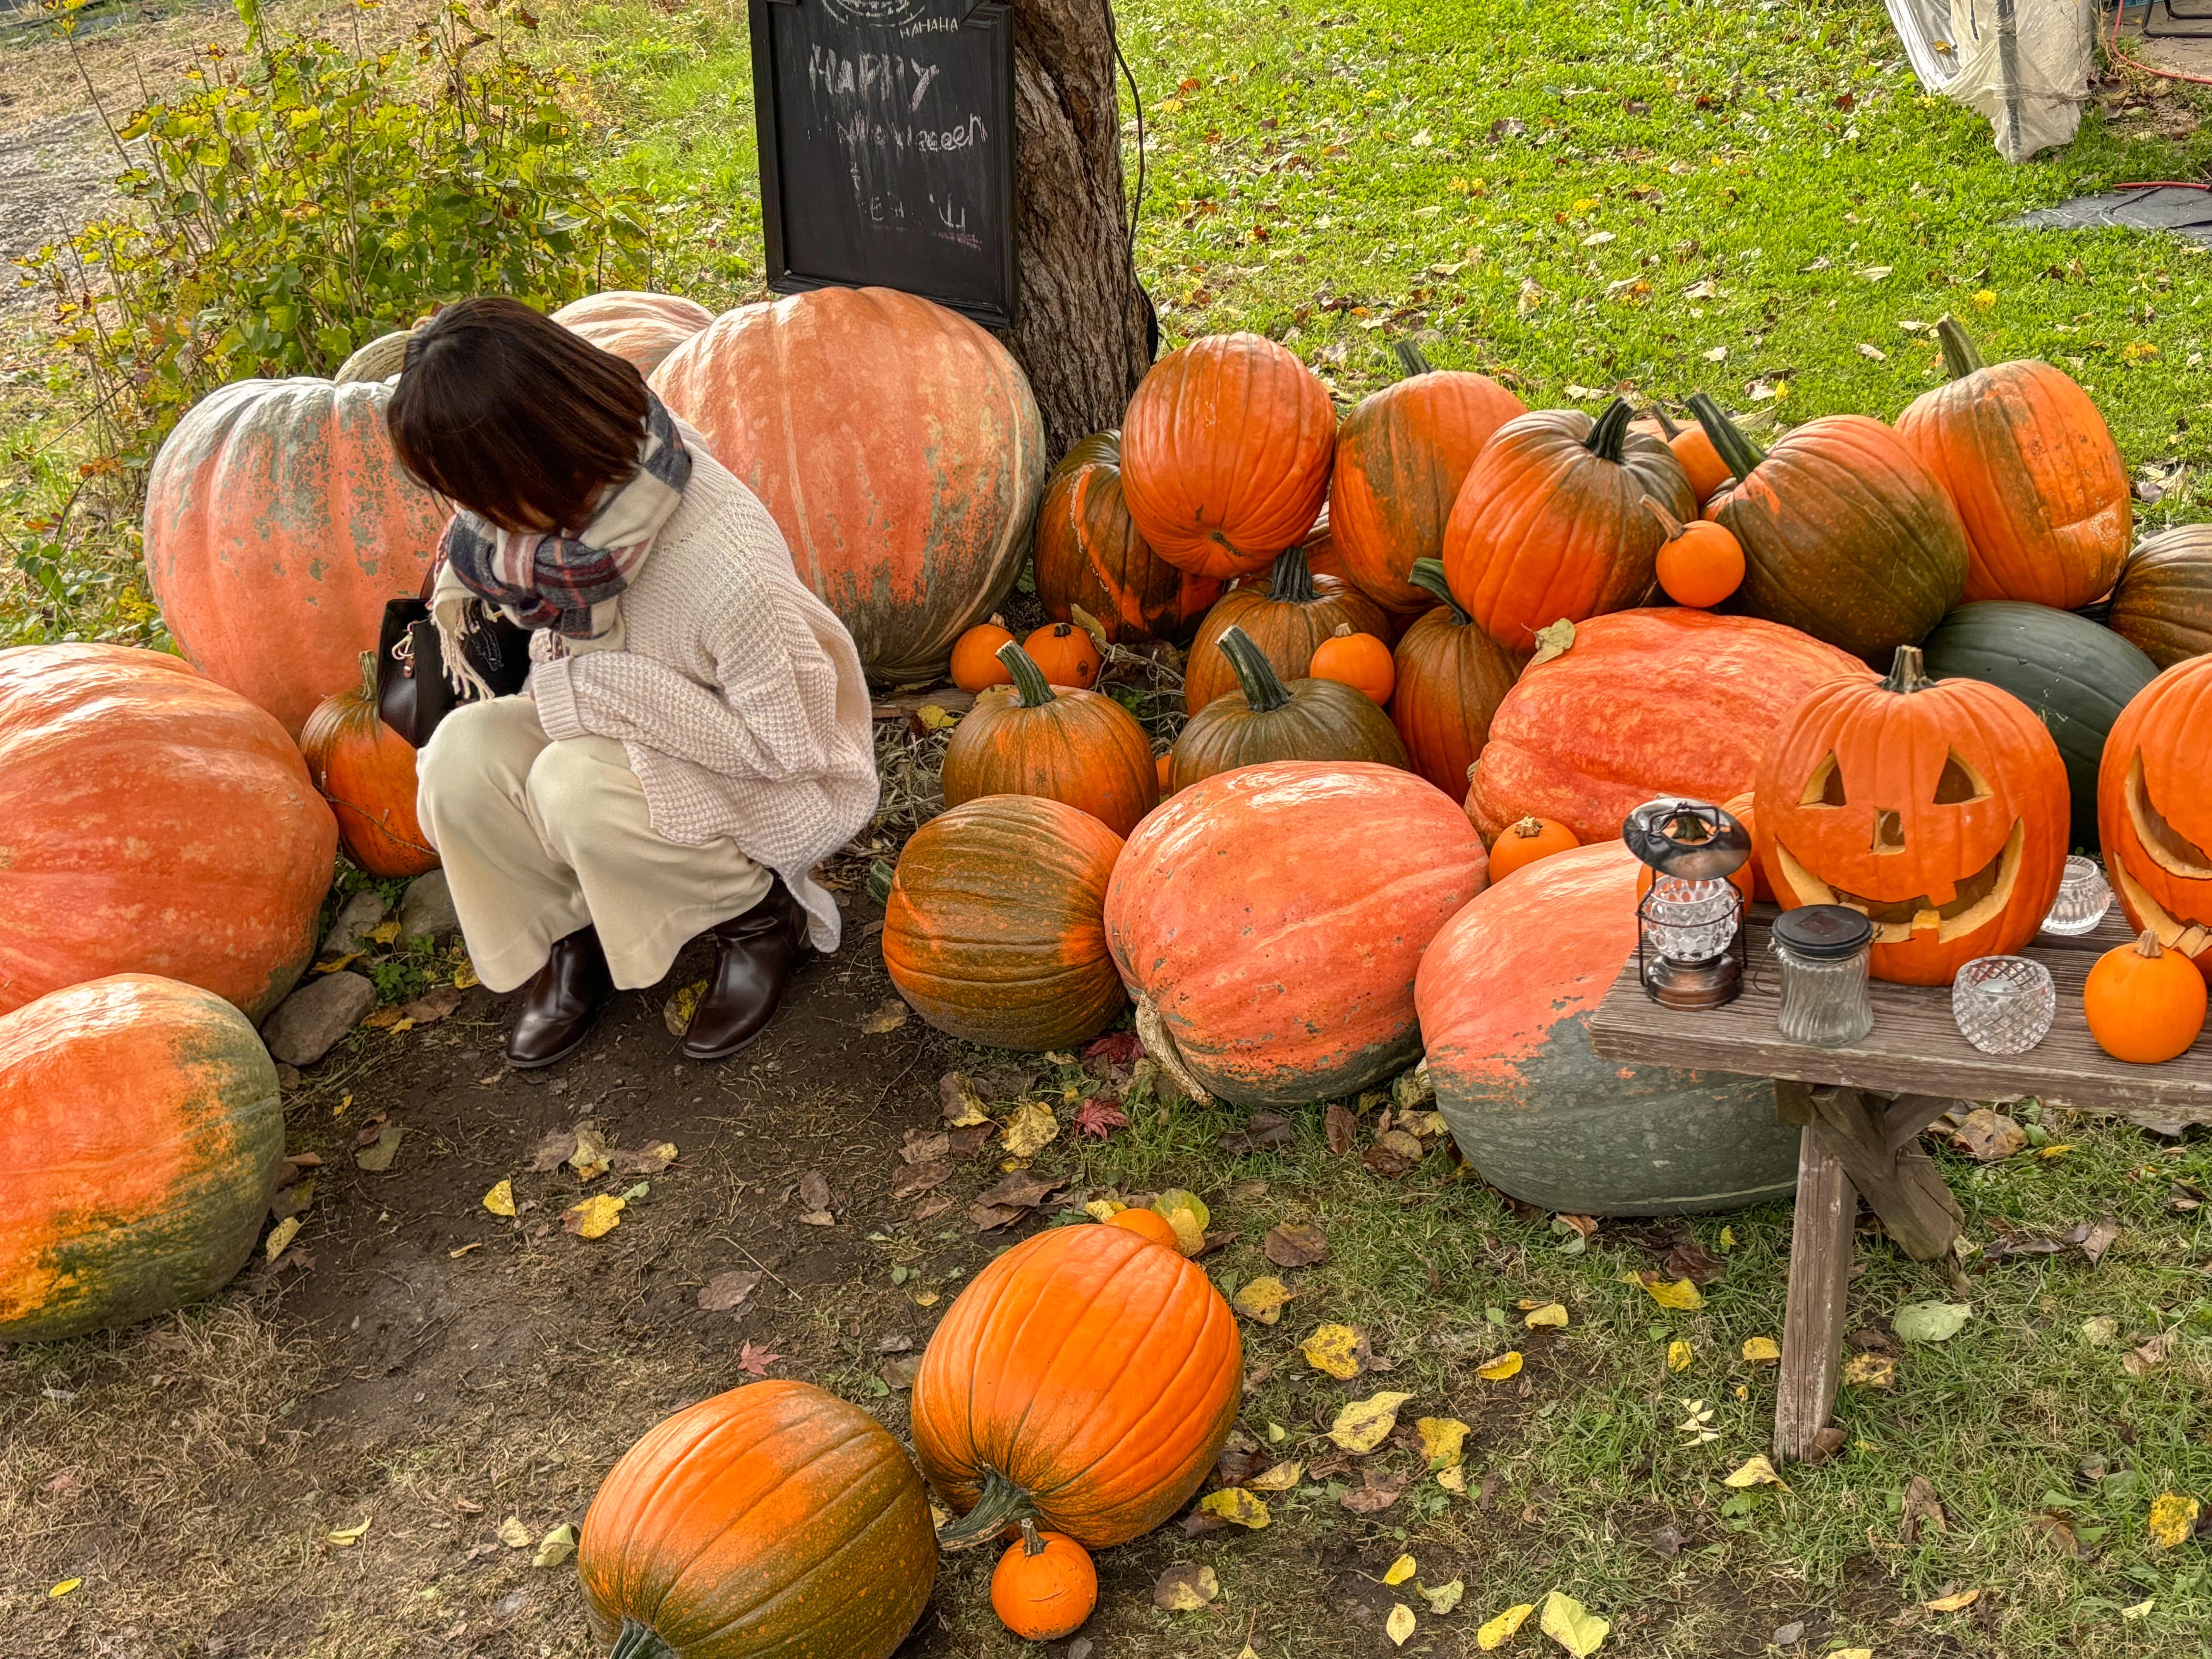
1084 329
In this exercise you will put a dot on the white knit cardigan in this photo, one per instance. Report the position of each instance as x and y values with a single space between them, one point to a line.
737 694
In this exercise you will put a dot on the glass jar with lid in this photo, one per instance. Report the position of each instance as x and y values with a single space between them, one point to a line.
1822 952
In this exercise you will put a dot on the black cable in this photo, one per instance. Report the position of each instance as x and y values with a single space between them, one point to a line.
1136 98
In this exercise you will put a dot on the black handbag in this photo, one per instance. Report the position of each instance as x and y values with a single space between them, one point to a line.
412 692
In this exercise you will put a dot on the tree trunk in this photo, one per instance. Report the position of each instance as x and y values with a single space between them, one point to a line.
1084 330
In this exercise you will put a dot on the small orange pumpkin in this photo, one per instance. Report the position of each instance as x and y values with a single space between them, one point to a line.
2145 1004
1065 653
1526 840
1147 1224
1164 766
1700 563
366 770
975 664
1360 660
1708 474
1044 1586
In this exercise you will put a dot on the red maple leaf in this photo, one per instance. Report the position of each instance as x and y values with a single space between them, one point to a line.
756 1359
1100 1115
1115 1049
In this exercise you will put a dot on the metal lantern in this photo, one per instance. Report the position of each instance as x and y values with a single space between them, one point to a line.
1690 944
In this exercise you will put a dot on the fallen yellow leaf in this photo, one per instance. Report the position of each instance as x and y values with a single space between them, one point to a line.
556 1546
1442 1599
1103 1209
2138 1609
1334 1349
1958 1603
1551 1314
1400 1570
281 1237
1761 1350
383 932
1573 1625
347 1536
63 1589
596 1217
934 719
1453 1479
500 1200
1030 1128
1236 1506
2172 1518
1497 1632
513 1534
1187 1214
1443 1440
1678 1294
1507 1364
1364 1424
1277 1477
1870 1371
1262 1299
1758 1472
1678 1355
464 977
1399 1625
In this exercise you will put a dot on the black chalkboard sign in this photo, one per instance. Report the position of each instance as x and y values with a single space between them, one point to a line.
887 148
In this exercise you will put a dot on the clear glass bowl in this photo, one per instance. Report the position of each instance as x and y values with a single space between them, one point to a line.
2003 1005
2084 895
1692 920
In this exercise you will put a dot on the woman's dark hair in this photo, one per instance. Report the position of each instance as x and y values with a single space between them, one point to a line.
505 412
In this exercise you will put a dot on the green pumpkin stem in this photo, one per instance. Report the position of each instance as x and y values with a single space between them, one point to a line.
1292 580
1003 1504
1428 575
1959 357
1412 361
1737 453
1907 674
1030 682
1610 431
1666 424
636 1641
1255 676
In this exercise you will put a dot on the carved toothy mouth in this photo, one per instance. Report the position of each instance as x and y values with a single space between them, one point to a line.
1975 901
2173 853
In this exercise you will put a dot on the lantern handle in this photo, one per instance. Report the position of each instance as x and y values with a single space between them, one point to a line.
1690 840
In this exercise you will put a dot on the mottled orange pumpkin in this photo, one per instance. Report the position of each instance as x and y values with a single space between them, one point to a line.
1090 553
2151 815
1287 619
1450 677
1067 745
642 328
773 1522
2162 605
1044 1586
365 771
140 1135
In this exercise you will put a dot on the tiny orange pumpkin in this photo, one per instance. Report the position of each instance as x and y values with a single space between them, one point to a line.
2145 1004
1700 563
1065 653
1147 1224
976 662
1044 1586
1525 841
1359 660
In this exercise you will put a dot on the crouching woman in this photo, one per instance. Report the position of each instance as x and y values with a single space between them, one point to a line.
694 734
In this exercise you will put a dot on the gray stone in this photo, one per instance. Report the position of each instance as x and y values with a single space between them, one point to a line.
428 909
309 1024
359 914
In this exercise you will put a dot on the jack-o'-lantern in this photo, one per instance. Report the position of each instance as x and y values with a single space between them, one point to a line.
2151 815
1937 808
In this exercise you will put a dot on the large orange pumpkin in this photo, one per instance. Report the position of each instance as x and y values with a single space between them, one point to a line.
1644 703
2151 815
642 327
1085 1380
1287 619
153 822
896 444
2033 471
1451 677
1937 808
1090 553
1064 744
1225 453
1550 521
278 521
366 770
994 931
773 1522
140 1133
1272 917
1402 456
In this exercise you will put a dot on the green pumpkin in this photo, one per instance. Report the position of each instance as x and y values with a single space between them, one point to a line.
1265 721
2163 600
2074 675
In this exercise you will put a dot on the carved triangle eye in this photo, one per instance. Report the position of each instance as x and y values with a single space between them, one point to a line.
1960 783
1825 787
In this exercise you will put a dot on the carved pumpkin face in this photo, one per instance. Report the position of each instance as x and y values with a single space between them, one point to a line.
1937 809
2151 815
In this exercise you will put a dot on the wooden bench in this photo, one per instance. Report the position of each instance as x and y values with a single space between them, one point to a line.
1861 1108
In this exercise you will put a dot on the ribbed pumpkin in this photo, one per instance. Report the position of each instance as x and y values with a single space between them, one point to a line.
1550 521
2163 602
1846 535
1067 745
365 771
773 1522
1402 456
1643 704
1085 1380
1451 677
912 523
2150 810
1308 719
2143 1003
1506 993
140 1133
1293 613
2033 471
995 929
278 521
1272 917
1225 453
1090 553
2074 675
154 823
1935 808
643 327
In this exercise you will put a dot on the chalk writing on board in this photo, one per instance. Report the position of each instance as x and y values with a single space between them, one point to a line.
873 103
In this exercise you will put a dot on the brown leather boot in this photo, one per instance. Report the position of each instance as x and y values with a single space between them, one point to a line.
754 954
563 1000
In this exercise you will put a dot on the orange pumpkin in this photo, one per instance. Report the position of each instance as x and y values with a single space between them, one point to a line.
1090 553
1700 563
2034 471
1742 809
1068 745
2144 1004
1450 678
1044 1586
154 823
1360 660
1702 464
912 524
1287 619
1225 453
1402 456
2154 831
1550 521
975 664
1164 766
140 1135
365 771
1064 654
1272 917
772 1522
1265 721
1147 1224
995 928
1937 808
1085 1380
640 327
278 521
1644 703
1524 841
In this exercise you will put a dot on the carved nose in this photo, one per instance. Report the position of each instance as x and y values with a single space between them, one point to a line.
1888 832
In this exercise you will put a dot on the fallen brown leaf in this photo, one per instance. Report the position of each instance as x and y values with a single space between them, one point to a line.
1342 1128
1376 1493
887 1016
731 1292
918 1178
1295 1244
963 1103
924 1145
1921 1508
1391 1154
753 1359
647 1160
814 1193
2059 1532
1986 1136
557 1147
1186 1588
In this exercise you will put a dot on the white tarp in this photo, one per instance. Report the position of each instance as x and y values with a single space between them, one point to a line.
2023 63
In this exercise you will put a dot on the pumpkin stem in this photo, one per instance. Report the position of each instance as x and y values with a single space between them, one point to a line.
1527 829
1737 453
1611 431
1428 575
368 677
1160 1045
1959 357
1003 1504
636 1641
1668 521
1907 673
1292 580
2148 946
1031 1544
1030 682
1412 361
1255 676
1666 425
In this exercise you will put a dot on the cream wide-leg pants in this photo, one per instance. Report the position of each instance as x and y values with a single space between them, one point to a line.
539 839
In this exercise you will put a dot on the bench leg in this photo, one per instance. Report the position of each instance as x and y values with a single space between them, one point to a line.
1819 1278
